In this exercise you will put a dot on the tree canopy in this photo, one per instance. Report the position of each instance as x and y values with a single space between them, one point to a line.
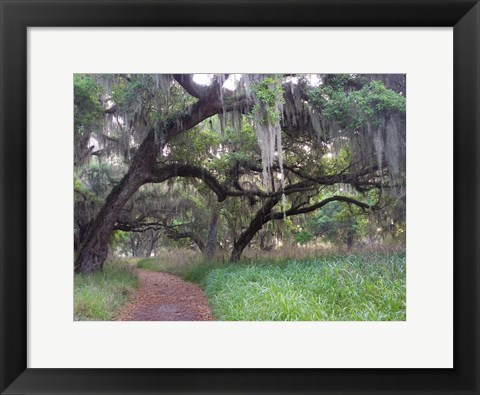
224 161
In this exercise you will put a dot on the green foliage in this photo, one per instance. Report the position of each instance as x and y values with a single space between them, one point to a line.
304 236
195 146
336 163
352 109
206 147
98 296
77 184
84 191
269 93
87 109
336 288
338 222
126 93
344 81
118 238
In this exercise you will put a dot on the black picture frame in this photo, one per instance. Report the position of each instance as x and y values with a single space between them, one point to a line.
17 15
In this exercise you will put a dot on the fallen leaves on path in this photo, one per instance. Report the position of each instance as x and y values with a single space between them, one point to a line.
164 297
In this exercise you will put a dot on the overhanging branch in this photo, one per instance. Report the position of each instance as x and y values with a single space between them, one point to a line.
161 174
308 209
191 87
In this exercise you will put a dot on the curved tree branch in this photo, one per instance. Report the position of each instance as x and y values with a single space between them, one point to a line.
192 88
170 231
161 174
265 215
313 207
174 235
165 172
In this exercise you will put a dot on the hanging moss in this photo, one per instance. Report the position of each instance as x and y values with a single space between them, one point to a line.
369 119
266 93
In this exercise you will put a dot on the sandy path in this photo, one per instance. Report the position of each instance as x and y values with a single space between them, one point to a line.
163 297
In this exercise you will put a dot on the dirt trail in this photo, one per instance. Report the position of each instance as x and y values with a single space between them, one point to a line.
163 297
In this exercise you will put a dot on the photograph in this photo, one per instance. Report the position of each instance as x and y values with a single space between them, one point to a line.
240 197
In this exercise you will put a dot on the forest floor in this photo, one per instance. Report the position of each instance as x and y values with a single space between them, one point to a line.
164 297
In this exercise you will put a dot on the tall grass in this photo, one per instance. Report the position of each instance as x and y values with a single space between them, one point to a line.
174 261
303 252
360 287
98 296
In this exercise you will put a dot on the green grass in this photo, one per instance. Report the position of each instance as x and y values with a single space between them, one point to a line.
332 288
150 264
98 296
175 261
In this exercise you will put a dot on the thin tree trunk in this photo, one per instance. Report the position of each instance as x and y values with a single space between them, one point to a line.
255 225
349 239
154 236
211 245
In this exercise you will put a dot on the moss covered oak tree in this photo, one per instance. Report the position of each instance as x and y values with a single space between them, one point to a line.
210 100
307 136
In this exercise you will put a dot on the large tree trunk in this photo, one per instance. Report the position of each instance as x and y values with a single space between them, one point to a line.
94 250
